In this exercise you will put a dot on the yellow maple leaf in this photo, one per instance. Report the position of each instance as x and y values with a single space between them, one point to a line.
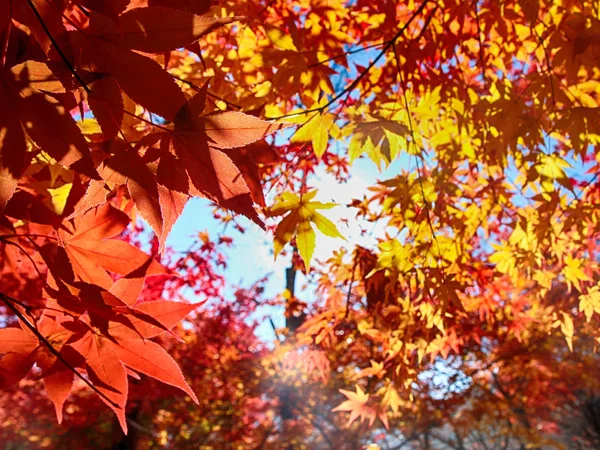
301 215
590 303
567 328
315 130
552 166
573 272
391 398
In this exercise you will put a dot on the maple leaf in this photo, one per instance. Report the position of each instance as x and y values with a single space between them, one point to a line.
122 342
301 214
530 9
58 379
92 252
225 129
391 398
130 170
129 287
167 313
231 129
107 358
589 303
55 130
17 354
376 370
573 273
567 329
58 387
357 405
315 130
211 173
159 193
42 19
197 142
108 50
193 6
374 134
95 195
251 160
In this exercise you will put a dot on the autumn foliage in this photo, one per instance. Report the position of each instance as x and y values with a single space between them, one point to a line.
465 315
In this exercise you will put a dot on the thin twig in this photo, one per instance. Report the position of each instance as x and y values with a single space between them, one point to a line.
349 294
275 330
57 47
349 52
140 428
149 122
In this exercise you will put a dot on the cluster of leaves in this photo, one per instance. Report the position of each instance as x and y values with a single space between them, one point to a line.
67 187
491 229
474 320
